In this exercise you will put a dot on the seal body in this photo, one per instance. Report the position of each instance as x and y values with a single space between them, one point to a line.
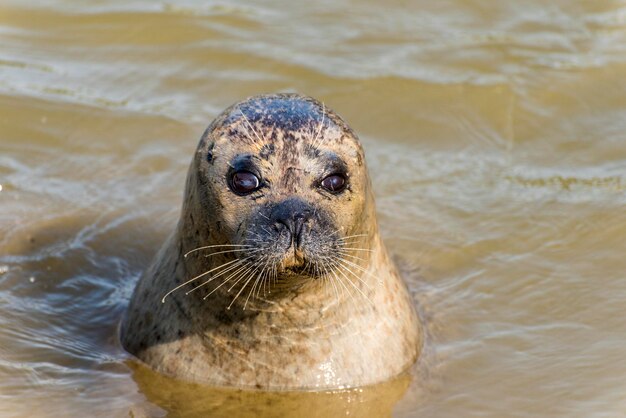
275 276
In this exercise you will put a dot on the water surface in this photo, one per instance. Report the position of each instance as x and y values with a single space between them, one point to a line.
495 133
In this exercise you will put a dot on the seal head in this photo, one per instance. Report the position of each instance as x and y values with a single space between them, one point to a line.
286 179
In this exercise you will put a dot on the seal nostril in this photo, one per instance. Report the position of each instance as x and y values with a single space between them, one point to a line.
302 215
292 214
298 230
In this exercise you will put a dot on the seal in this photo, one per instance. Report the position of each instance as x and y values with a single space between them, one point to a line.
275 276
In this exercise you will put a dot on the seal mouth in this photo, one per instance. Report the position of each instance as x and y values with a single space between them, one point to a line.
300 269
294 262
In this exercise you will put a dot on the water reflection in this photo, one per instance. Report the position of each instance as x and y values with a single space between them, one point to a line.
181 399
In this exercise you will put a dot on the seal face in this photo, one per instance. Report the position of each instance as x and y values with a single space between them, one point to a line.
278 169
275 276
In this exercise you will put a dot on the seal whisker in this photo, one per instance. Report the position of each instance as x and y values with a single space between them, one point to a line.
348 241
365 271
275 275
245 268
267 284
236 266
340 281
347 267
228 251
332 282
197 277
256 284
265 229
326 283
347 254
352 236
256 241
250 127
264 278
329 268
326 268
215 246
251 276
323 273
230 268
319 130
243 276
258 264
267 280
340 270
358 249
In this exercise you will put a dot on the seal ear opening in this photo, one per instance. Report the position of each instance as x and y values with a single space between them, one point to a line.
209 153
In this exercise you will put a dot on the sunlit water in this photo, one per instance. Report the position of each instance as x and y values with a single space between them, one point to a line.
496 138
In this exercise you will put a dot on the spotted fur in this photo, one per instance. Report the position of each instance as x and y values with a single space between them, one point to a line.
311 323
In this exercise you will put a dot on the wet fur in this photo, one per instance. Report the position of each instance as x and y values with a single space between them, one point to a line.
342 318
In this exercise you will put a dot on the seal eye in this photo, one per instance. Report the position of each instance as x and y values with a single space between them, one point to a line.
334 183
244 182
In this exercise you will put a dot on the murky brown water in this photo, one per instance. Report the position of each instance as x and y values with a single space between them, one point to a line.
496 138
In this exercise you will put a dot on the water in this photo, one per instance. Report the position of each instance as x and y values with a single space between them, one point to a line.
495 135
